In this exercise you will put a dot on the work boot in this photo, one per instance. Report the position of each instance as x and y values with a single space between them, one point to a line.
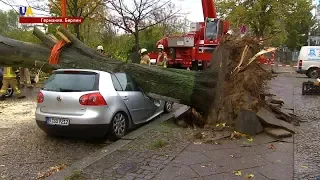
21 97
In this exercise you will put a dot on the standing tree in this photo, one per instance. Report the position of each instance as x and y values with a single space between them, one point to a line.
279 19
86 9
139 15
298 24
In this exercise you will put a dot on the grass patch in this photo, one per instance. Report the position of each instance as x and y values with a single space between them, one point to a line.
167 126
159 143
76 175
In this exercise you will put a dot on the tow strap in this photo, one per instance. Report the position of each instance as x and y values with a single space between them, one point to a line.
56 51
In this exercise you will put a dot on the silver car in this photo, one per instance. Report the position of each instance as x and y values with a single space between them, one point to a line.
94 103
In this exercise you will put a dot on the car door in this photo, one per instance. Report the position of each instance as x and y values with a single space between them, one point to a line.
132 97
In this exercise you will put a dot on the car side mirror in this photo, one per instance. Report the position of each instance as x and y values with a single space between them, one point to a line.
140 89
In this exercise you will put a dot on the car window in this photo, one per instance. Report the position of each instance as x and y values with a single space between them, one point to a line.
116 83
72 81
126 81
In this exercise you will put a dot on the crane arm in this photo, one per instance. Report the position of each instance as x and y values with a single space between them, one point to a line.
209 9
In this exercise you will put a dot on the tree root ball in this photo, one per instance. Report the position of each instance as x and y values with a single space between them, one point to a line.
243 88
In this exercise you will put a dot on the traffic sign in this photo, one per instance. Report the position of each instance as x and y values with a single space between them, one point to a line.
244 28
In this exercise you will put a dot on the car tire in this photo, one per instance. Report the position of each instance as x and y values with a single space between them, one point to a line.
168 106
312 73
118 126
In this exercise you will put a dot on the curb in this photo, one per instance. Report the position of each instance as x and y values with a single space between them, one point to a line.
280 65
96 156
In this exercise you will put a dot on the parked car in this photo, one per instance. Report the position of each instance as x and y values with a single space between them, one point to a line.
94 103
309 61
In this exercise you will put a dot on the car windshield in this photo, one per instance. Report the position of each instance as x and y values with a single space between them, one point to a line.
72 81
211 29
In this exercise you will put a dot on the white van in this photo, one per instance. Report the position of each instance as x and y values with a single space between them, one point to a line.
309 61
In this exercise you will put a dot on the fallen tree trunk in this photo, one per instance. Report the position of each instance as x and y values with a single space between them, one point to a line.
212 92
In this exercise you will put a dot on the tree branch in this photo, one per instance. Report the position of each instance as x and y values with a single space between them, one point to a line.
92 10
157 22
69 9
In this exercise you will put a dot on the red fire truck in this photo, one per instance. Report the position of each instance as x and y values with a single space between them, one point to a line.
194 50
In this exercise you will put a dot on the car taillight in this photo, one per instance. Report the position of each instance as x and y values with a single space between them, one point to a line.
300 64
92 99
40 97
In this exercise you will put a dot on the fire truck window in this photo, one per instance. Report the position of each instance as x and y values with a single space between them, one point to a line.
211 29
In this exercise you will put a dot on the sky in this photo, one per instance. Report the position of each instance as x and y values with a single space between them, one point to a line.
192 8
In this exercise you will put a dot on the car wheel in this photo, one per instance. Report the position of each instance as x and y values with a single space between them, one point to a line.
312 73
9 92
168 106
118 126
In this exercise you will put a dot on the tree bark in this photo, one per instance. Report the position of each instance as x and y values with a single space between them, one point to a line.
77 30
137 46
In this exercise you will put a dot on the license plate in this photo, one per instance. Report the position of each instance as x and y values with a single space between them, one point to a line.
58 121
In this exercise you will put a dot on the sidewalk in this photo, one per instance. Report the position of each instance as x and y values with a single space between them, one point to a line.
169 153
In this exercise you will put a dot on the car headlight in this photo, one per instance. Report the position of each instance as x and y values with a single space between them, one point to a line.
157 102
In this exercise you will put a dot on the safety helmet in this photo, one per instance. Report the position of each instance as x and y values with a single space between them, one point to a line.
143 50
160 46
100 47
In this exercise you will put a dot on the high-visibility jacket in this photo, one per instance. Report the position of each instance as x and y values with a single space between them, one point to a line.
145 59
162 56
8 73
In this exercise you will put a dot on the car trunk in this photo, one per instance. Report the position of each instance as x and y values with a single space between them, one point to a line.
63 89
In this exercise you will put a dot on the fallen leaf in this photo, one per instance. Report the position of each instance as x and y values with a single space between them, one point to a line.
236 134
249 176
223 124
197 143
250 139
271 146
203 166
217 143
237 173
217 125
3 176
232 156
2 165
304 166
51 171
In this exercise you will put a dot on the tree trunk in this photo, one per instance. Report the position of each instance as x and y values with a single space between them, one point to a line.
137 46
77 30
204 90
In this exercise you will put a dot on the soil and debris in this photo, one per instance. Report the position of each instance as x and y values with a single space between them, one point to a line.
245 90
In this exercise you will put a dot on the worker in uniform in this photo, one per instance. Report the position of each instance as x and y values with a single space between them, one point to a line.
25 77
100 49
162 56
9 79
144 58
